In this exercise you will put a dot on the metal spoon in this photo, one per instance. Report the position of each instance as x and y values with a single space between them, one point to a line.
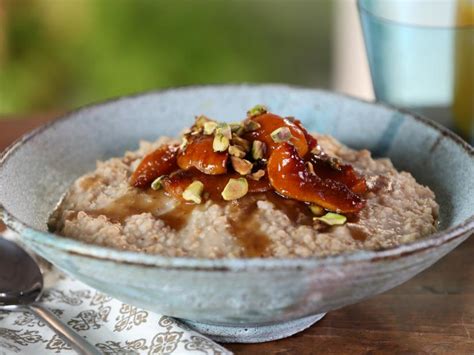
21 285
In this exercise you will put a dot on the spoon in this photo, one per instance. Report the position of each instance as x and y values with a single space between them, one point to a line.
21 285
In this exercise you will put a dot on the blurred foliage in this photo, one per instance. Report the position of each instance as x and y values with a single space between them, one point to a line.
65 53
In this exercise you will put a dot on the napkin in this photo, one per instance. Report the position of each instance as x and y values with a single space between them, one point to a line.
112 326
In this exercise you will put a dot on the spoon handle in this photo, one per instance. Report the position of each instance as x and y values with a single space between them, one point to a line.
77 342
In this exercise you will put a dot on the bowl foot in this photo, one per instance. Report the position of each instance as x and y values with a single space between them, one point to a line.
258 334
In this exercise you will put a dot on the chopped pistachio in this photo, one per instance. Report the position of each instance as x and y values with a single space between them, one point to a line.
310 167
257 110
235 127
200 121
236 151
243 143
242 166
332 219
224 129
186 131
335 163
251 125
257 175
316 210
280 135
258 149
317 150
210 127
156 184
220 143
235 189
194 191
184 143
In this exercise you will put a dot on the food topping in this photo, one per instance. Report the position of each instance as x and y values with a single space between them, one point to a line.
193 192
280 135
242 166
200 154
332 219
237 151
258 150
160 162
156 184
316 210
257 110
264 153
291 178
235 189
220 143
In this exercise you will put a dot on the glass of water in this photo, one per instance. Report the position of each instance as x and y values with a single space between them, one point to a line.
421 57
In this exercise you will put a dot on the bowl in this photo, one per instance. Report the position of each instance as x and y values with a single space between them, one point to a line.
243 300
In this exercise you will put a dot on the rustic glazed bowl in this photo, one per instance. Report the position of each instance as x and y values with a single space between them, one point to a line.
245 300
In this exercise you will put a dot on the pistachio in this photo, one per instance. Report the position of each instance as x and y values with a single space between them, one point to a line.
251 125
257 175
235 126
220 143
210 127
200 121
332 219
258 149
316 210
236 151
224 129
317 150
235 189
243 143
242 166
257 110
310 168
184 143
335 163
280 135
156 184
194 191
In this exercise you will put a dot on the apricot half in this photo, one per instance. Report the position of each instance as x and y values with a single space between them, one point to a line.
161 161
269 123
291 178
199 154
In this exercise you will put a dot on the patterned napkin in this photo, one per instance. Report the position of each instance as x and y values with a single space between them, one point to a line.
112 326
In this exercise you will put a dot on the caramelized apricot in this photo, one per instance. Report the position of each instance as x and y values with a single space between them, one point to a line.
199 154
161 161
312 142
342 173
175 184
291 178
268 124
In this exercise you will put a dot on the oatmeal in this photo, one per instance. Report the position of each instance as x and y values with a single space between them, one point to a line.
261 188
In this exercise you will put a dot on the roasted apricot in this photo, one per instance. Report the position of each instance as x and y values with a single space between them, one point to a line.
199 154
310 139
290 177
268 124
343 173
161 161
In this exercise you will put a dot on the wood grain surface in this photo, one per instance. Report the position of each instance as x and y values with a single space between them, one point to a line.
432 313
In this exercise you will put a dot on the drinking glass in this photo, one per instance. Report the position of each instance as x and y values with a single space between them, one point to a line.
421 57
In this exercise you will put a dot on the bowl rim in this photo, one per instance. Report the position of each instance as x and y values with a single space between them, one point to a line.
79 248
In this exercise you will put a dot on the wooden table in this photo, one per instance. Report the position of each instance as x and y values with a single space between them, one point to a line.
432 313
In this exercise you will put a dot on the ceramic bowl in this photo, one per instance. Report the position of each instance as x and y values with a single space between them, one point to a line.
243 300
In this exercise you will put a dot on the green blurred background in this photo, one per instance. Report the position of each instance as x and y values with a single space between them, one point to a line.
58 54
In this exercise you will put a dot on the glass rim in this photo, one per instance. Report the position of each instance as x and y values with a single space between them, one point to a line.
363 8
